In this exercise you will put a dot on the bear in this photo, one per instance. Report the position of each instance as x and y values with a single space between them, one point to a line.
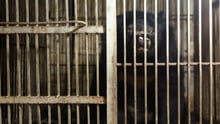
136 52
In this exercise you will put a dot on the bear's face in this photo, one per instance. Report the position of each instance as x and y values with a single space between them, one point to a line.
142 40
138 35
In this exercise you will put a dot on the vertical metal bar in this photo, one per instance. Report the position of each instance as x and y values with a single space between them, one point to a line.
211 60
188 57
9 113
97 60
37 60
28 62
1 53
87 61
7 51
77 62
178 57
188 67
48 61
125 66
68 62
0 93
18 53
156 63
87 75
111 62
8 62
18 49
167 61
145 63
200 62
57 50
57 60
28 49
135 64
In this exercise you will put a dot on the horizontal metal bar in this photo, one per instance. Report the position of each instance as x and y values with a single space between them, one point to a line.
52 100
49 29
171 63
91 29
44 23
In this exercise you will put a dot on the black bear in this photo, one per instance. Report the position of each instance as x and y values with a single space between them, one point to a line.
140 57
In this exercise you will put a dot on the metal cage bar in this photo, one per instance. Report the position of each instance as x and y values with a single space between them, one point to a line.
167 61
156 62
189 62
111 62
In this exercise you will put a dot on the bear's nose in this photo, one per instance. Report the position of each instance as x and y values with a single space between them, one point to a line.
141 41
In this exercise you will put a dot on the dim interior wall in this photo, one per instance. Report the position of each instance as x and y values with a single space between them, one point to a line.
205 79
216 37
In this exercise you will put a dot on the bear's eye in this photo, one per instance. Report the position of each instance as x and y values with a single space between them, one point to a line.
150 33
150 30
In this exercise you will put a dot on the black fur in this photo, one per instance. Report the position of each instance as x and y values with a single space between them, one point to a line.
161 57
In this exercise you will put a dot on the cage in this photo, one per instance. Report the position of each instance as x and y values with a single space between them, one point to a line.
69 61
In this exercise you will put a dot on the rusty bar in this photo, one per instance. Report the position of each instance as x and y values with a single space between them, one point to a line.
111 62
49 114
20 109
48 60
59 113
91 29
37 50
28 50
57 40
28 62
52 100
18 73
134 60
87 60
68 51
97 60
77 61
81 23
125 68
211 61
18 50
68 62
200 63
167 62
8 62
7 51
87 74
48 49
50 29
178 58
188 59
156 63
9 113
37 60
